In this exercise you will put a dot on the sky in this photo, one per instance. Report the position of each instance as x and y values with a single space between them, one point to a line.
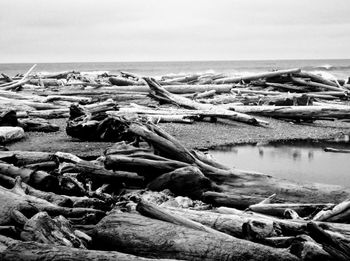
173 30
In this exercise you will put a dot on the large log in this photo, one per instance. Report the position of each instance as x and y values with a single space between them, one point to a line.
296 112
256 76
133 233
13 250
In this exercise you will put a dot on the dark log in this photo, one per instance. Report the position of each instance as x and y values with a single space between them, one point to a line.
38 179
59 200
186 181
133 233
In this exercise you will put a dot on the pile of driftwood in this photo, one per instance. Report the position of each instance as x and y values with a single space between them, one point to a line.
285 94
149 197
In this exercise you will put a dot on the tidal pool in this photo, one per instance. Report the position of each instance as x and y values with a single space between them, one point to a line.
299 161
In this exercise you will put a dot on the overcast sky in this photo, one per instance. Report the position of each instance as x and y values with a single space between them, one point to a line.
158 30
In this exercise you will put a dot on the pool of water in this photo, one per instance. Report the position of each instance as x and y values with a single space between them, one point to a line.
299 161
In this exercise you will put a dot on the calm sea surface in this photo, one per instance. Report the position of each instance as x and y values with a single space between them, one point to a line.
338 68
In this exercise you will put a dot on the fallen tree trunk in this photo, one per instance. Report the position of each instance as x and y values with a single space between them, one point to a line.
295 112
336 150
133 233
13 250
256 76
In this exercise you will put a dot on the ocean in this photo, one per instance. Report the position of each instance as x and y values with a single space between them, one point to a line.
328 68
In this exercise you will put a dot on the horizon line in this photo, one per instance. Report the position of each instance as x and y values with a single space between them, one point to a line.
161 61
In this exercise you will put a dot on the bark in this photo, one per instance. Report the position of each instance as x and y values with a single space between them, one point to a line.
133 233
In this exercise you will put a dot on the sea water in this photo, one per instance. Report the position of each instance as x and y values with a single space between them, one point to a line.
337 68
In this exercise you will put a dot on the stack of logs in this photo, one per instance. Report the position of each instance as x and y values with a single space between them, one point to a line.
285 94
149 197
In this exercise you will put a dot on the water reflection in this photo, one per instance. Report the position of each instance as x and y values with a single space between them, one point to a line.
297 161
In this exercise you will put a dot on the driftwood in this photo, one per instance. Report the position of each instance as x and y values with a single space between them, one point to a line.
42 228
256 76
133 233
162 94
296 112
15 205
336 150
13 250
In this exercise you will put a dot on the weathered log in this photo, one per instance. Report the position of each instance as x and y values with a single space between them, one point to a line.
279 209
13 250
121 81
336 150
150 210
15 201
315 84
37 124
144 167
186 181
79 99
38 179
159 239
59 200
337 213
315 78
336 248
21 158
99 173
9 134
296 112
42 228
160 93
256 76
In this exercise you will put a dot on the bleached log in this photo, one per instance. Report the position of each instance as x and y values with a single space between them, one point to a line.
256 76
